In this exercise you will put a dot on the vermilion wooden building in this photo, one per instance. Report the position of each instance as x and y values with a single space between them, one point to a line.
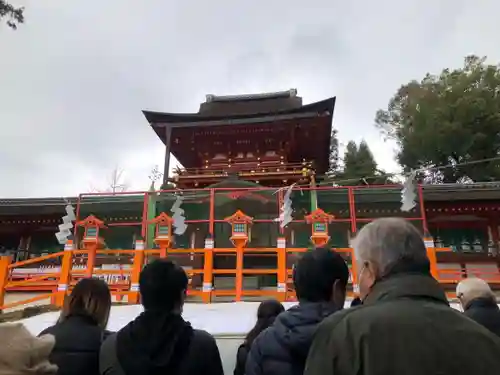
237 153
264 138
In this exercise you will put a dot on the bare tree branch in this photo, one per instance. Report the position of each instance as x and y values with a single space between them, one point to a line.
155 175
115 183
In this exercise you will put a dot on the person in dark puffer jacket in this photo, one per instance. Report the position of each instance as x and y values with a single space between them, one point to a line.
479 303
320 279
266 314
80 330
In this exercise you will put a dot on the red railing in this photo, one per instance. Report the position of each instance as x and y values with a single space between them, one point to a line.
126 287
123 282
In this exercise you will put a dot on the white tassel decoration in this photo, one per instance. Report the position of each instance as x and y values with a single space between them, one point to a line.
178 218
67 225
408 193
286 209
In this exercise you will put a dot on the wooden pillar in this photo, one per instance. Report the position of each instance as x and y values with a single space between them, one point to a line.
211 224
133 295
354 272
282 270
21 249
4 277
28 246
168 143
431 254
352 210
163 251
239 273
91 254
208 267
423 216
65 274
494 235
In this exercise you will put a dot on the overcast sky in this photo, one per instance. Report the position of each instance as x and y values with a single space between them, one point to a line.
75 77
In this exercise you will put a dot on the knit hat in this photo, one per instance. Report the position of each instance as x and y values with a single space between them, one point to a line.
24 354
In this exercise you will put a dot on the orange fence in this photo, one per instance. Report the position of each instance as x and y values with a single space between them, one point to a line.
124 282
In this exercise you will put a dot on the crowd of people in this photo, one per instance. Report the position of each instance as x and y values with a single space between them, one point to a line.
401 323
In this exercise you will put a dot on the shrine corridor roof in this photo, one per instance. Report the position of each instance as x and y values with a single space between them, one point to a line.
442 192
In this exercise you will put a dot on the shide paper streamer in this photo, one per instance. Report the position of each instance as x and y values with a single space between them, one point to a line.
286 208
67 225
179 221
408 193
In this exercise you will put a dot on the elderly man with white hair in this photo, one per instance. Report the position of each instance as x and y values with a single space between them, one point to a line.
479 303
405 324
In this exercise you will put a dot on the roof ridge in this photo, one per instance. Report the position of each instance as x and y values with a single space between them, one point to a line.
210 98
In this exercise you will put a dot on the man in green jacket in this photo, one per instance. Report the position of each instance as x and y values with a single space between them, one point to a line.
405 324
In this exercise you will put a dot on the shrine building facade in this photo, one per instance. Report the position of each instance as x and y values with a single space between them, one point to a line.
240 154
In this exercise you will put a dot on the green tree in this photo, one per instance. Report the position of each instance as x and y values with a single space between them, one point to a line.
360 167
334 153
448 119
13 15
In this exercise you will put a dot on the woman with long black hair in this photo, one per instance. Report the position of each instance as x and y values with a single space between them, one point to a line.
81 328
266 313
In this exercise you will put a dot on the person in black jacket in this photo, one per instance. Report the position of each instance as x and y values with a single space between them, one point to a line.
159 341
479 303
266 314
80 330
320 279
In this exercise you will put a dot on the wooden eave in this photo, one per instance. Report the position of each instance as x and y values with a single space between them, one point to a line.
56 206
163 119
160 120
432 193
462 192
322 109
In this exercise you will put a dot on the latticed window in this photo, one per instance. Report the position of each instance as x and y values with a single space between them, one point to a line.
239 228
163 230
319 227
92 232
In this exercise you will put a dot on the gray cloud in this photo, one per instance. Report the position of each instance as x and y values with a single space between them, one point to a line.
76 76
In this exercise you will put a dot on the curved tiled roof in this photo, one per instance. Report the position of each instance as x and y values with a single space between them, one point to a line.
432 192
267 114
246 97
177 118
37 201
63 201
